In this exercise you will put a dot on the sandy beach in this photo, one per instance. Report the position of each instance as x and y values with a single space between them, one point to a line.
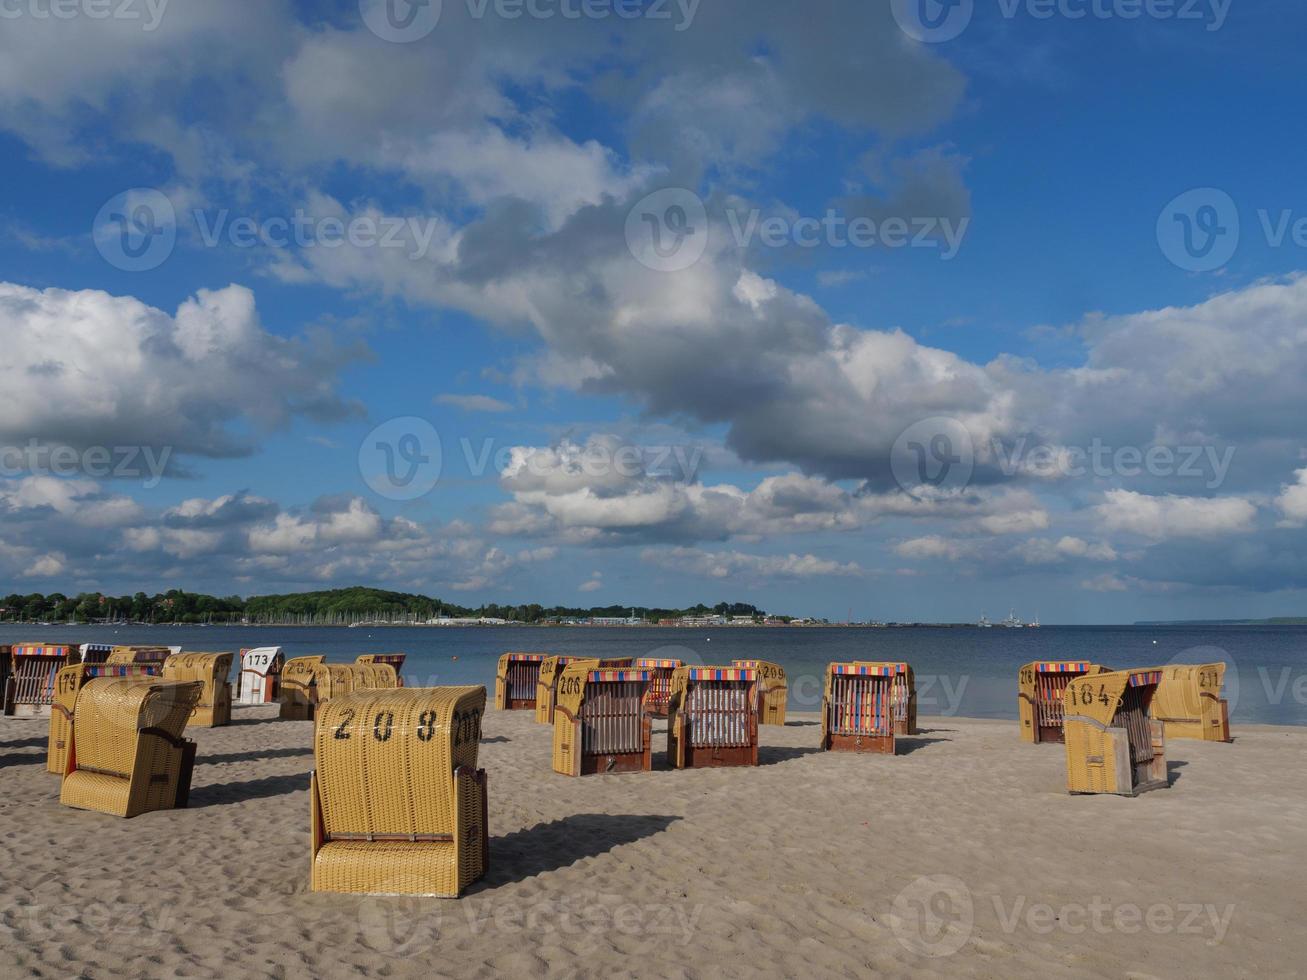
961 856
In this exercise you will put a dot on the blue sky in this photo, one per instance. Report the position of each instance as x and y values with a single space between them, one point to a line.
903 430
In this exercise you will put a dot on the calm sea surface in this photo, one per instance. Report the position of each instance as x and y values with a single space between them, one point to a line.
963 672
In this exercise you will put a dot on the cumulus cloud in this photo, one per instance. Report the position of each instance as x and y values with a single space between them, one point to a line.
1161 518
1292 501
727 564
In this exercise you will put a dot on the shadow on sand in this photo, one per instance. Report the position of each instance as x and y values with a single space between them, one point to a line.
559 843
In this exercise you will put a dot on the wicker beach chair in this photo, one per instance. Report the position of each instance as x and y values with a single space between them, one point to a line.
551 669
398 804
127 755
1039 701
29 692
903 695
260 675
298 691
857 713
68 684
1188 702
395 660
515 681
600 721
713 717
213 670
773 690
123 655
1113 742
658 699
96 653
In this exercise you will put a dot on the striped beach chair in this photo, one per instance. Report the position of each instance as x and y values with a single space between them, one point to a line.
658 699
1113 742
213 671
96 653
857 713
29 692
1039 700
551 669
127 755
68 684
515 681
122 655
298 690
601 724
395 660
260 675
773 690
398 805
1189 703
903 695
713 717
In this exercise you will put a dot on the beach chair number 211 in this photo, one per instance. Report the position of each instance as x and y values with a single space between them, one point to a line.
466 726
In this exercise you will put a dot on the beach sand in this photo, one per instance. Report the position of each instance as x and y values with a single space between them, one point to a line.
951 859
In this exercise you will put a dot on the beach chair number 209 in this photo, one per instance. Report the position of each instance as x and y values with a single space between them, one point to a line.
466 726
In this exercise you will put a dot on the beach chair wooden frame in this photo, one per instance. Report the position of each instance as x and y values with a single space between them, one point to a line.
1040 688
516 679
259 678
857 712
121 656
773 690
1188 702
660 686
395 660
601 724
126 754
397 803
551 669
1113 742
713 717
34 667
68 684
213 670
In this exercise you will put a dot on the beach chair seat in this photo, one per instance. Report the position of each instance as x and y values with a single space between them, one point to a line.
1113 742
213 670
298 691
260 675
551 669
1188 702
395 660
659 696
516 679
398 805
127 755
1040 687
713 717
68 684
29 692
773 690
601 724
857 712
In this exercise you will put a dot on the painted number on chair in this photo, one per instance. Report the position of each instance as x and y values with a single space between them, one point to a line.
342 731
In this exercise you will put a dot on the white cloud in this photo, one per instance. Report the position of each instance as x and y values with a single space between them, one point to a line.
1292 501
726 564
1165 517
474 403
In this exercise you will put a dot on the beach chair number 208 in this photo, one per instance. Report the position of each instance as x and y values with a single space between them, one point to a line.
466 726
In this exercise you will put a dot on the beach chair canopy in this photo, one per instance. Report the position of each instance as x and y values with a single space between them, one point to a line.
713 717
127 755
1189 703
398 804
551 669
516 679
600 722
96 653
121 655
1113 743
1040 687
33 668
213 671
659 696
857 707
297 690
68 684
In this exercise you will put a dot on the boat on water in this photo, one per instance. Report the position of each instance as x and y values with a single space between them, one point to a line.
984 623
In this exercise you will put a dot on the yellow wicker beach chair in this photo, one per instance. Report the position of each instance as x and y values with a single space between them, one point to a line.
260 675
1039 701
713 717
395 660
773 690
1188 702
515 682
551 669
298 691
127 755
600 722
29 692
658 699
68 684
213 671
121 656
398 803
903 695
1113 743
857 713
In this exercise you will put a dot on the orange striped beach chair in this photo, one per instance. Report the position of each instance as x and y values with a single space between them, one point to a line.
658 699
1114 744
29 692
551 669
713 717
601 724
516 679
1039 700
857 713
